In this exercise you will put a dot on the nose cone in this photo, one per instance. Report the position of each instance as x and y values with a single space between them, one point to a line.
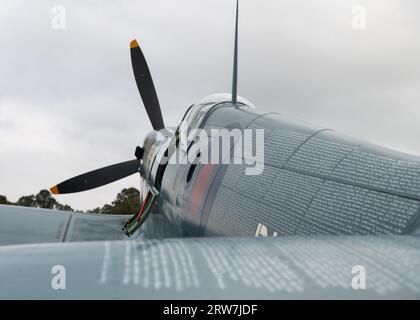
149 140
156 138
156 142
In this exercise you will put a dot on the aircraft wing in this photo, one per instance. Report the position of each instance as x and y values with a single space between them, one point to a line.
22 225
320 267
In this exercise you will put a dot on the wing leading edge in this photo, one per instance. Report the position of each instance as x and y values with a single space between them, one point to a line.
222 268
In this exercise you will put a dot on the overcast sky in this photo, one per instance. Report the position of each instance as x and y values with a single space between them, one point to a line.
69 103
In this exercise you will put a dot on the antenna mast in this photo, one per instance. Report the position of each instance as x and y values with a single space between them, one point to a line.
235 59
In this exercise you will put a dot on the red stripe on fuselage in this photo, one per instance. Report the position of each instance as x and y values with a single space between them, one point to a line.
201 188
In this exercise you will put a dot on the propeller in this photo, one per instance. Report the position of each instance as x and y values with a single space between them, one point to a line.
145 85
97 178
103 176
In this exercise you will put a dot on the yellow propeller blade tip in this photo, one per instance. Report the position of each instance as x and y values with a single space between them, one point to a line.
54 190
134 44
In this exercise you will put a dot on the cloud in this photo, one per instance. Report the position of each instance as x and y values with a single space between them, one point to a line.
69 103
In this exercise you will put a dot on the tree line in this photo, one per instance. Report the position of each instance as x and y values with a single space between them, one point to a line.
126 202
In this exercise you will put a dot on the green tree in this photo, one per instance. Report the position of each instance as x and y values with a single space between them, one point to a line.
107 208
44 199
26 201
64 207
3 200
127 202
96 210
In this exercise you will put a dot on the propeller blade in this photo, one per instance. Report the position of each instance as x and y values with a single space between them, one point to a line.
145 85
97 178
